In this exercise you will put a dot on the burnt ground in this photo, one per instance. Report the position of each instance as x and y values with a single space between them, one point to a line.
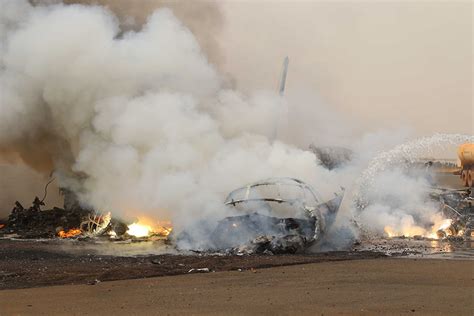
29 263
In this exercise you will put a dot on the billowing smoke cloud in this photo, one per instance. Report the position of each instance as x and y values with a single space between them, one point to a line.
203 18
139 121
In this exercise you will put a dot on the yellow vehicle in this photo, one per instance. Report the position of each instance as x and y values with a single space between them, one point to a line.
466 159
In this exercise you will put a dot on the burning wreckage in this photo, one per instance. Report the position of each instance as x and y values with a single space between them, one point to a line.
458 207
72 221
456 224
280 215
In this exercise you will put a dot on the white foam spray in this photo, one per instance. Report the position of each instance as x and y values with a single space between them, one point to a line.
390 199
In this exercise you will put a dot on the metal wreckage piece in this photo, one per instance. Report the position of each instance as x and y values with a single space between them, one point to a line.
280 215
96 224
458 205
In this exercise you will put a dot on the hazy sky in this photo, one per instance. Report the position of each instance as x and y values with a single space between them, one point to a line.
388 64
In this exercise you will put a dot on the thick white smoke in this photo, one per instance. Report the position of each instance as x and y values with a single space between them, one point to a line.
399 203
141 123
145 115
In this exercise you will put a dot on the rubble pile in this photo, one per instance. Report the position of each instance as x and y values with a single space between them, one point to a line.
458 205
279 215
274 216
70 221
257 233
457 209
33 222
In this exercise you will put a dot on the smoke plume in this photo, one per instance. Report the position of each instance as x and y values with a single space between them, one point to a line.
140 122
133 115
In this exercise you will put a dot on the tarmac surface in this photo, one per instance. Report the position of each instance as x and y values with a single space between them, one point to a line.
370 287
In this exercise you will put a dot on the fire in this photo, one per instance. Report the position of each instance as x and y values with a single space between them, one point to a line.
138 230
164 228
146 227
389 231
441 228
70 233
409 231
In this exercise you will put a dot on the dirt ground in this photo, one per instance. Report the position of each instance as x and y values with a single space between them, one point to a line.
28 263
371 286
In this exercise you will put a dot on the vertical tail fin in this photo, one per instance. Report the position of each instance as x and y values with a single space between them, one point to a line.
281 91
283 76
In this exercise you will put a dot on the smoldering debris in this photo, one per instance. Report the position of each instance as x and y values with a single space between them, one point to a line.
453 218
257 233
275 216
450 238
458 206
33 222
71 221
279 215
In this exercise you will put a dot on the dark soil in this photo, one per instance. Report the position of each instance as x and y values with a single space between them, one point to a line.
30 263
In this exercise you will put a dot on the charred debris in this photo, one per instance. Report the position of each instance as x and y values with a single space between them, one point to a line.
70 221
458 205
272 216
280 215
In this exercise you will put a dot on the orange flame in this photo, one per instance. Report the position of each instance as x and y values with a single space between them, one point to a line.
440 229
163 229
409 231
147 227
70 233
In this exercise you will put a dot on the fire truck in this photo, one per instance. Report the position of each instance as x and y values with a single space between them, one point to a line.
466 161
